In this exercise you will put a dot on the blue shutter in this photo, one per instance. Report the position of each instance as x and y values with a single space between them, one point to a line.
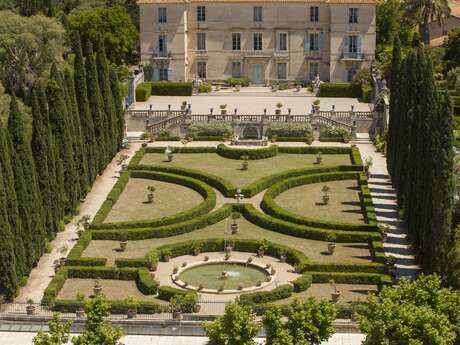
171 76
156 74
346 43
359 44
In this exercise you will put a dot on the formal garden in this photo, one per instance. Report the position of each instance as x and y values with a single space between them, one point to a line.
192 226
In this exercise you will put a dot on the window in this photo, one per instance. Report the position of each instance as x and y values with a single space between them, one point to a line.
201 41
257 13
162 45
282 41
353 15
162 18
163 74
313 41
313 70
353 44
201 69
314 14
236 69
201 13
350 74
281 70
257 41
236 41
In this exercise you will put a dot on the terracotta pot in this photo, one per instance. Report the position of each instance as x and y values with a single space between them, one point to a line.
97 289
30 309
335 296
326 199
123 245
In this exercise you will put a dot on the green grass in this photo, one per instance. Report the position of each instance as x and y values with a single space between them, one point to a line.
230 169
315 250
344 204
169 198
210 276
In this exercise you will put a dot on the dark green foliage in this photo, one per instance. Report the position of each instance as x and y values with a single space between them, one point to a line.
233 153
97 111
336 90
172 89
116 93
143 92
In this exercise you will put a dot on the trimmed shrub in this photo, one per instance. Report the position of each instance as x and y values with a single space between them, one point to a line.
116 307
270 206
252 154
209 149
281 292
311 150
165 293
358 278
334 134
366 267
243 81
356 156
336 90
53 288
74 258
136 159
143 92
204 87
366 91
302 283
210 129
172 88
291 130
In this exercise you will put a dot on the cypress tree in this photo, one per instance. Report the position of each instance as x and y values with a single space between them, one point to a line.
87 125
443 186
108 101
95 102
115 86
59 120
40 154
75 125
12 207
395 115
8 277
29 198
55 168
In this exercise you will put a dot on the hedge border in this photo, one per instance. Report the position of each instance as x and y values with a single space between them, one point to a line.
204 207
252 154
271 207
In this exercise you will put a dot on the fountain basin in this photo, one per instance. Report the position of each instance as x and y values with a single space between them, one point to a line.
209 275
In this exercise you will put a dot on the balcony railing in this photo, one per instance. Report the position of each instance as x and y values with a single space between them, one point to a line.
353 55
162 54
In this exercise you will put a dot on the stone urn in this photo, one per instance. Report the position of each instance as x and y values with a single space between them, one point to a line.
30 309
326 199
62 261
131 313
331 247
80 312
177 315
123 245
97 287
283 258
335 295
234 228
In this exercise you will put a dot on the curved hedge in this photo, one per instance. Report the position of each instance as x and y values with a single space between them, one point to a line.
303 231
204 207
270 206
164 231
182 149
75 255
253 154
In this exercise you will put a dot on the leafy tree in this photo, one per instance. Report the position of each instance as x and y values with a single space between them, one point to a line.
310 321
452 49
454 261
422 12
97 330
236 327
275 329
97 111
28 47
113 24
87 124
59 332
419 312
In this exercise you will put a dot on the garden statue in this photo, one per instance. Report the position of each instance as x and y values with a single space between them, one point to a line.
150 194
245 164
335 295
169 153
319 158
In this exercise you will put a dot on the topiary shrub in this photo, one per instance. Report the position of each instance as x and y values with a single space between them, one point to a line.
291 130
243 81
204 87
337 90
143 92
210 129
334 134
172 88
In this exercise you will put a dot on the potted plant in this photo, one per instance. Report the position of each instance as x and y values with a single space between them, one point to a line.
79 229
206 258
175 269
131 306
85 221
234 225
316 104
245 164
384 229
326 196
62 261
391 265
259 283
223 109
200 287
123 244
220 288
169 154
196 249
335 294
97 288
319 158
80 312
150 194
30 308
283 256
240 286
184 264
166 255
176 308
183 105
278 108
368 162
267 266
249 260
331 245
262 248
272 271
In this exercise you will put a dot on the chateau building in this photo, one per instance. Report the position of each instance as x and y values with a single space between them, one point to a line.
263 40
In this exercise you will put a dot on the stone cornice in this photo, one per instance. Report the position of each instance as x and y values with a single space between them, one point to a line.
332 2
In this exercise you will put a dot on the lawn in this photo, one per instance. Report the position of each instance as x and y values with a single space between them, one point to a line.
113 289
169 199
230 169
306 200
315 250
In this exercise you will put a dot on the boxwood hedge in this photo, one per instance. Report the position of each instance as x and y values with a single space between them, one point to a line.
252 154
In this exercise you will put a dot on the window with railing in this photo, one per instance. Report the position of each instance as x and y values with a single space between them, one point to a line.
236 41
162 46
353 15
258 14
201 41
257 41
314 13
162 15
201 13
352 47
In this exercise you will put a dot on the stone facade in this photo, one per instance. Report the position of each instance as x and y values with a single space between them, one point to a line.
263 40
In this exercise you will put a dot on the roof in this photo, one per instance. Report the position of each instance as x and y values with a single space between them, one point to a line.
333 2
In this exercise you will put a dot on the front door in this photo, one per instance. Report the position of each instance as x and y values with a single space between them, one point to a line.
257 74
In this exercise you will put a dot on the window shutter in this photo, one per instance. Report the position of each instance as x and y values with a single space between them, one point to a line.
320 41
171 74
156 74
307 41
359 44
346 43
